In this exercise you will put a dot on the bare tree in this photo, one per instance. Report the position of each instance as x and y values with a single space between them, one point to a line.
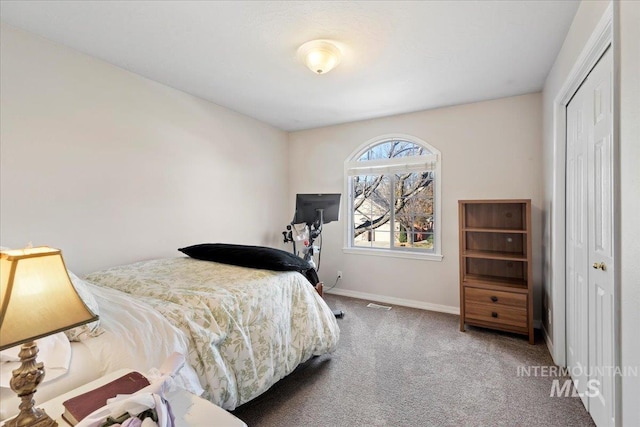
412 194
416 216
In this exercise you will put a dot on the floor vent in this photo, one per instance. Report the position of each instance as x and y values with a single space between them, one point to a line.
381 307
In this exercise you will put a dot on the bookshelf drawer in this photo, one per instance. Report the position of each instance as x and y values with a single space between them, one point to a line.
496 314
495 298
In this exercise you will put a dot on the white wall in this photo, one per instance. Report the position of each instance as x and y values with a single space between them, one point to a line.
112 167
489 150
629 20
584 22
627 64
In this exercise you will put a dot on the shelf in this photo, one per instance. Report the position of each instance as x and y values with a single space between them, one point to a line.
495 265
505 215
507 256
497 282
494 230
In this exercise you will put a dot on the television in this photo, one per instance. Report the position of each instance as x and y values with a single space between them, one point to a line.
309 205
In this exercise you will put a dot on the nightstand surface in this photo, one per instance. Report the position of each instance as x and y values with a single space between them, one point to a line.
189 409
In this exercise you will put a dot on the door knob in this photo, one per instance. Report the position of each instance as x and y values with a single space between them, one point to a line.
600 266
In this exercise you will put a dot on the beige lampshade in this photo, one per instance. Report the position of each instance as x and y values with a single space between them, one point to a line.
37 297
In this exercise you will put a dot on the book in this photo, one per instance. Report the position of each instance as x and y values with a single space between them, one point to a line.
77 408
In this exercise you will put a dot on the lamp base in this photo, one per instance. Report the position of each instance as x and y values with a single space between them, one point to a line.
37 418
24 382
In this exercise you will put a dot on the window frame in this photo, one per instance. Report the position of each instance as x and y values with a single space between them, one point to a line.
411 253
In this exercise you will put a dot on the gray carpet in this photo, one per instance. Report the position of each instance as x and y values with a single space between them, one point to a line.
409 367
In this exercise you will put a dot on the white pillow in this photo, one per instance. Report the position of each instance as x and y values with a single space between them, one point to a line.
54 351
93 329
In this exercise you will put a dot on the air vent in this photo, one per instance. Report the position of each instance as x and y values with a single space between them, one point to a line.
381 307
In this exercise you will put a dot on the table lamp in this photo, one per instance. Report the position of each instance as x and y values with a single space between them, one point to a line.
37 299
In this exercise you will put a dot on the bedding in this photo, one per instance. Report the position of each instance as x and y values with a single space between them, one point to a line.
88 330
247 328
135 336
54 351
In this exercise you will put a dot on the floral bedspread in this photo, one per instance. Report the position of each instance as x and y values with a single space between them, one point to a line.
247 328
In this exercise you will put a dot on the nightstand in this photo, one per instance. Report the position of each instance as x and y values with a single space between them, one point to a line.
189 409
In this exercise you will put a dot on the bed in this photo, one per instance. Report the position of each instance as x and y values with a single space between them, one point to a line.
247 328
242 329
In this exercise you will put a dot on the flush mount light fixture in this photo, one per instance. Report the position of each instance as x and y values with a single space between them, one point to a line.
321 56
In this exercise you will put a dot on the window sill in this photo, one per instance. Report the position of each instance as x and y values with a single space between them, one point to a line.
393 254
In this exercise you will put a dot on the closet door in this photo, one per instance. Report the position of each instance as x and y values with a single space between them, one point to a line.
589 250
600 238
577 256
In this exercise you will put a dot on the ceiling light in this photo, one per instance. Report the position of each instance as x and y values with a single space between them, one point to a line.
321 56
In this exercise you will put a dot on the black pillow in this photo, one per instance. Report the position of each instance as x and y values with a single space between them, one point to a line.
248 256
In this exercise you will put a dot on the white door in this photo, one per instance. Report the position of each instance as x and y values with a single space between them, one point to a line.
600 208
577 268
590 327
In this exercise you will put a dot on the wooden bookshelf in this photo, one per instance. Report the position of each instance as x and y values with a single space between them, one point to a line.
496 288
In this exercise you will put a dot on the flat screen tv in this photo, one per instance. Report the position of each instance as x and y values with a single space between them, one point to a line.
309 205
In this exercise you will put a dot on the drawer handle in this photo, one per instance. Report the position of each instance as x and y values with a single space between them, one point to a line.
494 314
494 299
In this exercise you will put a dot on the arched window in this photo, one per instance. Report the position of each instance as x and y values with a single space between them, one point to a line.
393 187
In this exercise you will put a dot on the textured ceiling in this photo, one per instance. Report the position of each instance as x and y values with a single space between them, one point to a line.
398 56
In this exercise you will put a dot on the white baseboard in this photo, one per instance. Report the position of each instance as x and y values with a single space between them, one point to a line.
396 301
547 340
537 324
